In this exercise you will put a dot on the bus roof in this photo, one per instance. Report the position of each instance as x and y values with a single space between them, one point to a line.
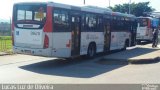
30 3
123 14
145 17
92 9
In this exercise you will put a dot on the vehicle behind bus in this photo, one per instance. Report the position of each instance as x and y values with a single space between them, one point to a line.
155 23
53 29
144 29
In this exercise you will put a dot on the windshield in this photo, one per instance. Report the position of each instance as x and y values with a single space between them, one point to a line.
30 16
143 22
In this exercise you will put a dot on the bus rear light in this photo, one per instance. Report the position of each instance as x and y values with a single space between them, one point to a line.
68 44
46 42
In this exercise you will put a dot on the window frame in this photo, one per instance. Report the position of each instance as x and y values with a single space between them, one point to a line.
60 27
27 21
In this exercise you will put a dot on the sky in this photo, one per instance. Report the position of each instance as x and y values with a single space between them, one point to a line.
6 5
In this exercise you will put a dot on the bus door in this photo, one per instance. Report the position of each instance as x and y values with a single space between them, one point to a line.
107 34
75 29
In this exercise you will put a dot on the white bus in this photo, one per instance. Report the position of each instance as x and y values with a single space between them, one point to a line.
144 29
59 30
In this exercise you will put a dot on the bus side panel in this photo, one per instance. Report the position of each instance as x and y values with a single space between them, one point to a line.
88 37
118 40
114 41
61 44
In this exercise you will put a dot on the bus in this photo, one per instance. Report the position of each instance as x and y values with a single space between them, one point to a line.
155 23
60 30
144 29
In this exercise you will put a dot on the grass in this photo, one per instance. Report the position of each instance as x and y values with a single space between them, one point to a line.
5 38
5 44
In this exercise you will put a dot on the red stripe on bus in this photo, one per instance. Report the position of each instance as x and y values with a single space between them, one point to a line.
46 41
68 44
48 25
149 23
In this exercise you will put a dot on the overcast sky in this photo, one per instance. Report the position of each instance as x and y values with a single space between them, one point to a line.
6 5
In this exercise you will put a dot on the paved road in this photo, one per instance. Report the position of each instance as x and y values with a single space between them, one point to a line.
34 69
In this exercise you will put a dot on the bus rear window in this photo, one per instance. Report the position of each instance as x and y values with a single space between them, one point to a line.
143 22
30 15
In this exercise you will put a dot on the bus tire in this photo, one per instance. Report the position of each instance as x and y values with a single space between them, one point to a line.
125 44
91 50
138 42
125 47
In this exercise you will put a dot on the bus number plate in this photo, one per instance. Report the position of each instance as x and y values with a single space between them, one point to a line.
27 51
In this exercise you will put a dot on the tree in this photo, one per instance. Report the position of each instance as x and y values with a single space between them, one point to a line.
137 9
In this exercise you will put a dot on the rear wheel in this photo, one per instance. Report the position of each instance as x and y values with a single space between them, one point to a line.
91 51
126 45
138 42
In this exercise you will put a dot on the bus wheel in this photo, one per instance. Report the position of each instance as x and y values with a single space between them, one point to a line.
138 42
125 45
91 51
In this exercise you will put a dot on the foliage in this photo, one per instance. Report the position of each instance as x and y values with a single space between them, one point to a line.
137 9
5 37
5 43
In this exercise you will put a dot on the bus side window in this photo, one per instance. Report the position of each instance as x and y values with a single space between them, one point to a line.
61 21
90 22
99 23
114 23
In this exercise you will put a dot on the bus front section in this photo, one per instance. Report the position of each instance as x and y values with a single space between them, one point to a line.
31 29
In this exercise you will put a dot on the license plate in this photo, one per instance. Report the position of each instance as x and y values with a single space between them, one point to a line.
27 51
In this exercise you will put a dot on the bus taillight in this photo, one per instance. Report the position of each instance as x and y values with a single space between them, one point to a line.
46 42
68 44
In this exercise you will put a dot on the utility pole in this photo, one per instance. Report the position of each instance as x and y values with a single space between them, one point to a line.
109 3
84 2
129 7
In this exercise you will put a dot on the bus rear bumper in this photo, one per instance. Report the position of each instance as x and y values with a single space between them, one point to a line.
37 52
144 38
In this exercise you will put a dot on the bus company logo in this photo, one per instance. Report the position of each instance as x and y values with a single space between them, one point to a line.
35 33
17 33
93 37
